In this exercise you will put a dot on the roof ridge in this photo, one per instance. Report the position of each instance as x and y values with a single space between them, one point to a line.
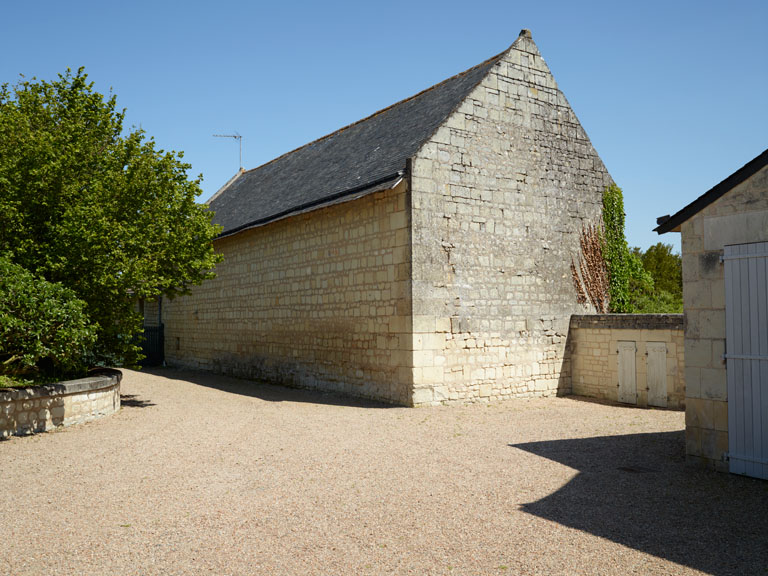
378 112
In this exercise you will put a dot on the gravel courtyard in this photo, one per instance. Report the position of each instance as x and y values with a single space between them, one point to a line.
202 474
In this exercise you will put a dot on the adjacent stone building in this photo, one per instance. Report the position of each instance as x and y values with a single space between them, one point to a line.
725 298
418 256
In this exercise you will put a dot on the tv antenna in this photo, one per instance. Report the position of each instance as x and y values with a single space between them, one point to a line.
239 139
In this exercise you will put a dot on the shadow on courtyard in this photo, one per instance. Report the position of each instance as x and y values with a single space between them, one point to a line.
264 391
133 401
636 490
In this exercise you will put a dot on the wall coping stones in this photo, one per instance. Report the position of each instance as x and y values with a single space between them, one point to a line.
628 321
40 408
64 388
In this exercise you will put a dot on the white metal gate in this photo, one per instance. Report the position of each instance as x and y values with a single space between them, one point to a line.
746 313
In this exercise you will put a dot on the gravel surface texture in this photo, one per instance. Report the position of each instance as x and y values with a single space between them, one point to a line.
203 474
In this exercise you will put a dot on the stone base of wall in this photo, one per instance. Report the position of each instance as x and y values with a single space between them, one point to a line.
706 432
594 342
703 462
504 359
294 375
30 410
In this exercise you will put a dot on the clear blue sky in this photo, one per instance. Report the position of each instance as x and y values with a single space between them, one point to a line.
674 95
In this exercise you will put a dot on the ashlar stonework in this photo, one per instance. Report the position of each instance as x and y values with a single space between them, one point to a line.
499 194
429 263
733 213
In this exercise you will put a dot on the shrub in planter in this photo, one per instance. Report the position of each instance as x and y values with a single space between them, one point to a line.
44 328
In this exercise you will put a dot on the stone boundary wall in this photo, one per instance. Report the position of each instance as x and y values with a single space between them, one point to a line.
594 341
42 408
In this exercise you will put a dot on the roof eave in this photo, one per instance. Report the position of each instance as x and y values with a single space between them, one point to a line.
389 182
674 222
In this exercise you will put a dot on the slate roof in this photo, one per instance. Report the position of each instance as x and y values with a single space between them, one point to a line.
358 159
672 223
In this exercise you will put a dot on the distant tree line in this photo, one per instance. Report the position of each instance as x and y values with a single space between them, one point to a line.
659 289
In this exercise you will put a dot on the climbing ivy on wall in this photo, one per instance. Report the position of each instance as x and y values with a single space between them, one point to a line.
613 278
623 266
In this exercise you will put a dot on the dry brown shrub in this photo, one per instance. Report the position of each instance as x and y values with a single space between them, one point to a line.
591 276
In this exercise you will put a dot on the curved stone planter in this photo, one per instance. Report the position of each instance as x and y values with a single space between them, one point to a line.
31 410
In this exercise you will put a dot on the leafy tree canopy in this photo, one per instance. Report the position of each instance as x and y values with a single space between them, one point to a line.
100 211
664 292
665 267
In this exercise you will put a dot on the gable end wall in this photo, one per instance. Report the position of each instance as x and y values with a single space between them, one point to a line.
499 195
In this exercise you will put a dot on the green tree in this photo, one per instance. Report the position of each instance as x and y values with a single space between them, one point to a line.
664 293
665 267
43 327
104 213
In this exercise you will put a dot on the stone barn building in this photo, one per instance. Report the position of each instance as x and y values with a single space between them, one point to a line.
725 297
420 255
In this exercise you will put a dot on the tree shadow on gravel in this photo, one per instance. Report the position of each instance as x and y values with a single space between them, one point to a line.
133 401
263 390
636 490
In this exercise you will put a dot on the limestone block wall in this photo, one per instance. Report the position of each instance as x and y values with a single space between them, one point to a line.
738 217
499 195
318 300
30 410
593 344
